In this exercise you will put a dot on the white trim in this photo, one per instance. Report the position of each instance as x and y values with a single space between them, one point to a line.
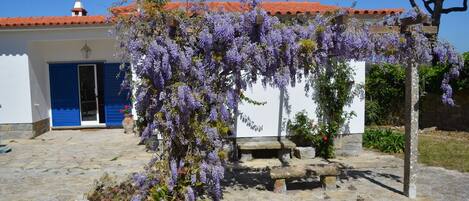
89 123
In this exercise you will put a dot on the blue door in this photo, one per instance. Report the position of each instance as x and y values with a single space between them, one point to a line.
114 98
64 95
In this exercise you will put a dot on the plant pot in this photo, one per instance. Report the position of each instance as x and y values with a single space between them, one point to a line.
128 123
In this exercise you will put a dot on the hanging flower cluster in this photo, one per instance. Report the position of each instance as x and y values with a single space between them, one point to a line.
192 66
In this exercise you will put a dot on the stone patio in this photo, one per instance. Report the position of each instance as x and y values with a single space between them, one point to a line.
62 165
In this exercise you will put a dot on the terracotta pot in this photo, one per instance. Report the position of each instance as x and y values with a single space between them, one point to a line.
128 123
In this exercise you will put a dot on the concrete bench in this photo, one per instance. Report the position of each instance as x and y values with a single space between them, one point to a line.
284 148
327 173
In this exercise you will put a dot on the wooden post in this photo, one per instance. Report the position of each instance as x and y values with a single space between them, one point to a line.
411 104
411 129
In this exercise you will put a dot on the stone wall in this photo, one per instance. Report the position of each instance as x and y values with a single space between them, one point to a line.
435 114
26 130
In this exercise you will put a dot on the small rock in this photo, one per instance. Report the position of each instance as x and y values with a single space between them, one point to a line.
352 188
305 152
259 187
360 198
426 130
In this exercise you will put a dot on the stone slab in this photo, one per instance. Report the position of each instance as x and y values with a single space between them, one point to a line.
299 171
283 144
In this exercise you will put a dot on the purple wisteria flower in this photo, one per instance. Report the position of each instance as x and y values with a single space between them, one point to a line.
188 85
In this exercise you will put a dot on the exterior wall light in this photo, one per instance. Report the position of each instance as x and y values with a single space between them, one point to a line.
85 51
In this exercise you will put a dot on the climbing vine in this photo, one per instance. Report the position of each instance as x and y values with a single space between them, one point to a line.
191 66
334 89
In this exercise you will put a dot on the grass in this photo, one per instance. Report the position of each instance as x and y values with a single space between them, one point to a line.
445 149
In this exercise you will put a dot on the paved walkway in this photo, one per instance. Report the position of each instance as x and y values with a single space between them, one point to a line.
62 165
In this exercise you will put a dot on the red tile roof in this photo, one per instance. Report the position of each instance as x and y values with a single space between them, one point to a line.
51 21
273 8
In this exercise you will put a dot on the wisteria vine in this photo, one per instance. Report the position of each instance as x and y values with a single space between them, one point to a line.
191 66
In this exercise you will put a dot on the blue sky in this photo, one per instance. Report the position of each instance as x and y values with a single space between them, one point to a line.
454 28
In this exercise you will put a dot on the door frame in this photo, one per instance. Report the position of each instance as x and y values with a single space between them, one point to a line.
89 123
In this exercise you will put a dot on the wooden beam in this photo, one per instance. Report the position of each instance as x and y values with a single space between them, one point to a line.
397 29
430 29
413 21
384 29
341 19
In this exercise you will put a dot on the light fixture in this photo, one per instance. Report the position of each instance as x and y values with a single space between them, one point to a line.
85 51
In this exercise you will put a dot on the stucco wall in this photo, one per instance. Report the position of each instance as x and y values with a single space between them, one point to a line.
15 98
267 115
24 58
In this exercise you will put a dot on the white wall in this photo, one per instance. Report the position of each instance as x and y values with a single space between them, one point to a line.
15 97
267 115
24 72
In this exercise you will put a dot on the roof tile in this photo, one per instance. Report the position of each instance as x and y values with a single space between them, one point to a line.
51 21
273 8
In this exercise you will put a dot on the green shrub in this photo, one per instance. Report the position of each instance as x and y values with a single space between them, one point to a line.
384 92
302 130
386 141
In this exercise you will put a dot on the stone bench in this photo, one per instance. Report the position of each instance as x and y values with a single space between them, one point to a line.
327 173
283 146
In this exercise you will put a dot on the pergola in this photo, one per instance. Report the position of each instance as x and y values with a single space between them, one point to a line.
411 102
408 25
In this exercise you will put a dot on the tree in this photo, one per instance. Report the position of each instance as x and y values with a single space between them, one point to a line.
436 9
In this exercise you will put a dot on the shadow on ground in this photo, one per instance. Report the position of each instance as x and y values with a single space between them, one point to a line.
349 173
242 177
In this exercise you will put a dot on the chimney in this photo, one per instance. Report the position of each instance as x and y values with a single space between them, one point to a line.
78 9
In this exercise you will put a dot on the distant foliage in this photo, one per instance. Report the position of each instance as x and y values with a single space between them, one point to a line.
385 89
384 140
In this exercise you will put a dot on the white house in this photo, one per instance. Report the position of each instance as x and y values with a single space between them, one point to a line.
61 72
